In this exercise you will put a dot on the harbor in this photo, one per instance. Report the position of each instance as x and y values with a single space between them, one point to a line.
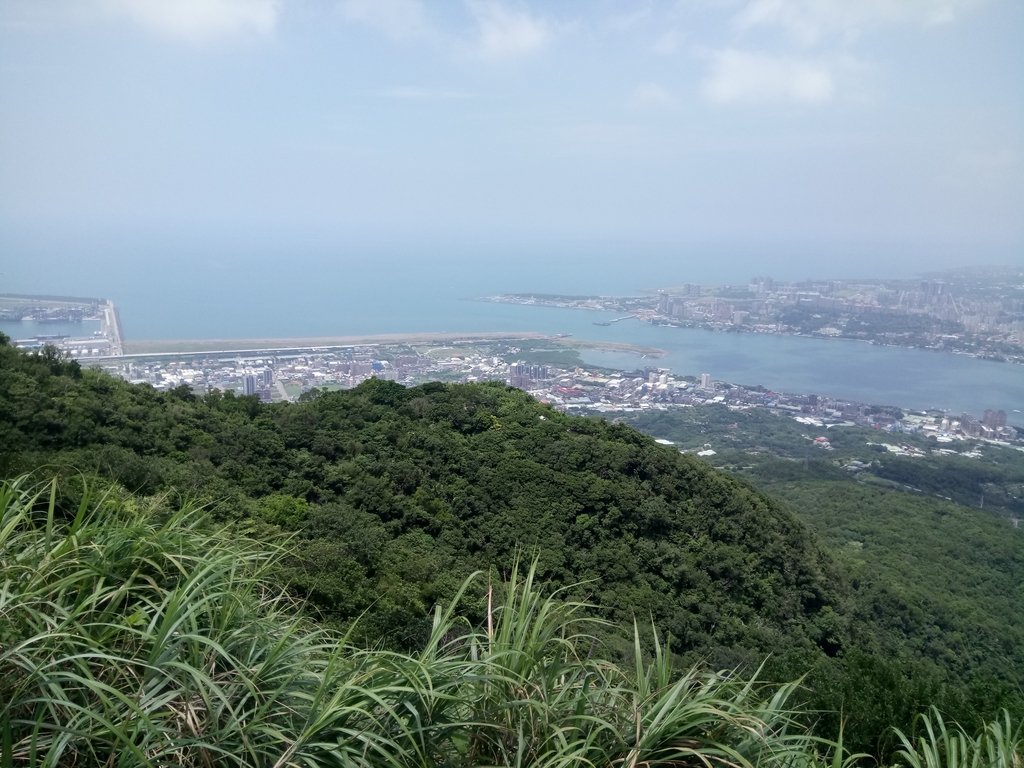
82 328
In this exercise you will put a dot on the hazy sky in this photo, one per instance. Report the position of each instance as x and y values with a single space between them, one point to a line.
818 121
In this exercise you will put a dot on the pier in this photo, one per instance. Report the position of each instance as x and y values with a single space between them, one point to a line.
110 326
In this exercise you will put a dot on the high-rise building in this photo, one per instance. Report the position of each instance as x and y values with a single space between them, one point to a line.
249 384
970 426
705 381
994 419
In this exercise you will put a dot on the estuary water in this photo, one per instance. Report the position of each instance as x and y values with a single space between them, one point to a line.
266 294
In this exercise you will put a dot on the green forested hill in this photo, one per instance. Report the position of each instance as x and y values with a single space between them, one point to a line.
396 494
390 496
935 581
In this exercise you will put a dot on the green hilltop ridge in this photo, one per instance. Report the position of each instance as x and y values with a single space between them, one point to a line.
395 495
390 498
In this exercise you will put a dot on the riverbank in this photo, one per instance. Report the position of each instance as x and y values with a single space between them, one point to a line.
187 346
612 346
184 346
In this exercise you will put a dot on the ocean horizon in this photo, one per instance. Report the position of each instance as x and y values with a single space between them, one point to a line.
365 291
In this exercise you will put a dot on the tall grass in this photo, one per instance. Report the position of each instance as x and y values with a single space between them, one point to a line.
131 637
939 744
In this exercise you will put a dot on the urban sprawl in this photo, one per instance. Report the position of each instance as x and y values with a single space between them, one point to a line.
978 312
835 309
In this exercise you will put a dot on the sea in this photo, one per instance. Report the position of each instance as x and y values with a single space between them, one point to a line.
269 292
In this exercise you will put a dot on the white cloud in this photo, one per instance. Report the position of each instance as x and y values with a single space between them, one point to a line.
811 20
414 93
397 19
651 96
742 76
505 31
201 20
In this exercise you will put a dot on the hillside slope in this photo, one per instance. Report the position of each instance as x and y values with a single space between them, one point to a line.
936 580
397 494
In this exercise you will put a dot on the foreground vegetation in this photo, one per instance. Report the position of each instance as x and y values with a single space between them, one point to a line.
138 635
134 635
395 495
391 498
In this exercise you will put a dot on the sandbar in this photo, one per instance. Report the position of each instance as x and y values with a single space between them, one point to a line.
184 346
611 346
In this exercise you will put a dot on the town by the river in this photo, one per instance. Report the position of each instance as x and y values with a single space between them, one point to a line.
862 370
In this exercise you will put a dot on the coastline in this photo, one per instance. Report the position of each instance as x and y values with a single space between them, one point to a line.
612 346
185 346
205 346
938 381
694 313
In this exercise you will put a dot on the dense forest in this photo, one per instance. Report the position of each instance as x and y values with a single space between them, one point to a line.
388 499
934 579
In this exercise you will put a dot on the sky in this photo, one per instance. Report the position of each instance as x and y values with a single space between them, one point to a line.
837 125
